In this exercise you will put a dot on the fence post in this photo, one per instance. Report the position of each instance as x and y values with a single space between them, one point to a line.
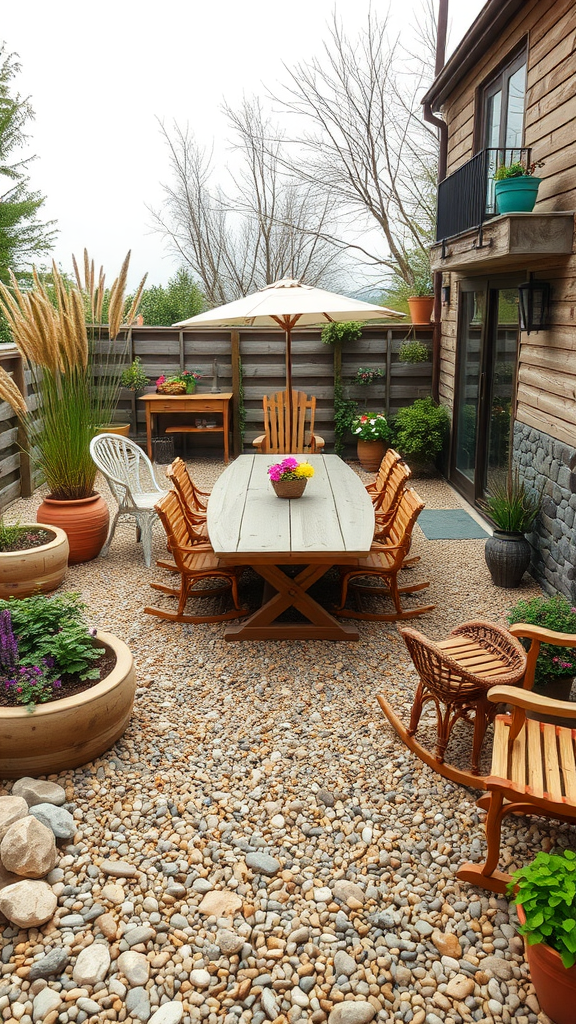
26 488
235 359
181 355
388 372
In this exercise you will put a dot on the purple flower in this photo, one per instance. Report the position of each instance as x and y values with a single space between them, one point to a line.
56 684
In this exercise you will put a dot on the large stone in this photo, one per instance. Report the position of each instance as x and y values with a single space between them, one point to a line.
138 1004
92 964
12 808
55 962
134 967
352 1013
44 1003
200 978
350 893
118 869
447 944
7 877
28 903
169 1013
29 848
499 967
38 791
263 863
229 942
220 903
136 936
58 819
344 964
269 1004
460 987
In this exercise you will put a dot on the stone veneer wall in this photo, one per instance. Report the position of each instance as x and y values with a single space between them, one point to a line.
549 464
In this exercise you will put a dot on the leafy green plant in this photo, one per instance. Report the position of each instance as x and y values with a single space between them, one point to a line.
134 377
54 628
413 351
552 613
421 430
546 889
10 533
516 170
341 333
365 375
14 537
344 412
510 505
180 299
371 426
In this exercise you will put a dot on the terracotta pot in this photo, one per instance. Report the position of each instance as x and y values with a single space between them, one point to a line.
421 307
115 428
84 520
370 454
62 734
555 984
507 556
34 570
289 488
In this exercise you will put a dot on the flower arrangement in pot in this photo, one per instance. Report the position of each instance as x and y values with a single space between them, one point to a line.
516 187
372 433
289 477
512 507
75 367
545 896
555 667
183 383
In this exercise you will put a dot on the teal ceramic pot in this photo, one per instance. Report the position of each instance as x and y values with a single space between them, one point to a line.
516 195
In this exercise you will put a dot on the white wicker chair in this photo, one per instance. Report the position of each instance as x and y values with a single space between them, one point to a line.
122 462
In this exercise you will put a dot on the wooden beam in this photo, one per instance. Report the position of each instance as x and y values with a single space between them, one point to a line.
26 484
236 382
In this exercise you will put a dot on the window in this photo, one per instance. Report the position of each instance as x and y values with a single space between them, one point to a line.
503 107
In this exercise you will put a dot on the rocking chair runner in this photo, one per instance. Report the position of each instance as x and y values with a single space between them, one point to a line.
195 560
277 436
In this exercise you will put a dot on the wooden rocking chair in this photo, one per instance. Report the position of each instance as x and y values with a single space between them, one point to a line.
193 501
378 485
387 500
277 436
385 561
533 761
195 560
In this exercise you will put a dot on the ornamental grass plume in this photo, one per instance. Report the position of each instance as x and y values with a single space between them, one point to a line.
75 364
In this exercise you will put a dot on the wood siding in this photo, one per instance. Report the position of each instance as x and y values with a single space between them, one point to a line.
546 395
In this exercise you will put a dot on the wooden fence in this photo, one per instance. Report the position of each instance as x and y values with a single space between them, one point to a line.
261 353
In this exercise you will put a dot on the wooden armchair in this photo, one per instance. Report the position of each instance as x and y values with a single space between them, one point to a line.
533 761
195 560
386 501
378 485
277 437
194 501
385 562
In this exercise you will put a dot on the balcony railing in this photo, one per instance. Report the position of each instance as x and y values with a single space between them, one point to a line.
466 198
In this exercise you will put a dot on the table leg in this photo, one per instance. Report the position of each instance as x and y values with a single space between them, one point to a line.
291 592
149 430
226 429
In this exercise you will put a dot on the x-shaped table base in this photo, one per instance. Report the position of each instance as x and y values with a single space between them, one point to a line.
291 592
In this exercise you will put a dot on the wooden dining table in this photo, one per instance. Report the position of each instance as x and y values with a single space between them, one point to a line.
331 524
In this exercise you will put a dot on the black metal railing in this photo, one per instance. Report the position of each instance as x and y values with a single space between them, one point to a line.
466 198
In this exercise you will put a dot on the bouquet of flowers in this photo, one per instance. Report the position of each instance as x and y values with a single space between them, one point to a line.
371 426
290 469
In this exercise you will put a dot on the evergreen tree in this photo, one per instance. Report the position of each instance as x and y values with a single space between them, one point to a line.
179 300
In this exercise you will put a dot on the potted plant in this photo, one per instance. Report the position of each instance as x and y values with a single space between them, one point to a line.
183 383
33 559
420 432
289 477
512 507
545 896
366 376
66 691
136 380
555 667
76 374
413 351
421 299
372 434
516 187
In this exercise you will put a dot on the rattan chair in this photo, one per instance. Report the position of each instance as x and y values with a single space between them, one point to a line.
456 675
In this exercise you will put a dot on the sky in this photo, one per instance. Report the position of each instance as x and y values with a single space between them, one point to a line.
100 76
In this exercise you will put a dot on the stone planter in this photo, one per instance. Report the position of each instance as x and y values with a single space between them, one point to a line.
507 557
370 454
62 734
555 984
34 570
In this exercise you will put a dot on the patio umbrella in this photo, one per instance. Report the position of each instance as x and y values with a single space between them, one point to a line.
284 304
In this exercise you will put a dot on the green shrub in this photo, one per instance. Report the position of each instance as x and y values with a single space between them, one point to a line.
341 333
413 351
547 892
552 613
421 430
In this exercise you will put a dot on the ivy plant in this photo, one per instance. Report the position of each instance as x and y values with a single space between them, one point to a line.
546 888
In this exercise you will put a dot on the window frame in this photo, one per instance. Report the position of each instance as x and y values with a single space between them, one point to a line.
499 79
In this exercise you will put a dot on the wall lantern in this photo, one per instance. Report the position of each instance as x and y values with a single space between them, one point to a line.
445 294
534 305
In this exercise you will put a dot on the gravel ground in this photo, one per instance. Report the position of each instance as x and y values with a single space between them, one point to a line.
289 859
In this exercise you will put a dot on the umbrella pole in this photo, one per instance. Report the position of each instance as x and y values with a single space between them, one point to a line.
289 410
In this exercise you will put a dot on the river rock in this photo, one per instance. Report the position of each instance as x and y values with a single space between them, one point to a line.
39 791
12 808
349 891
499 967
460 987
28 903
446 943
352 1013
220 903
92 964
134 967
343 964
263 863
229 942
200 978
269 1004
169 1013
56 818
118 869
138 1004
29 848
135 936
44 1003
55 962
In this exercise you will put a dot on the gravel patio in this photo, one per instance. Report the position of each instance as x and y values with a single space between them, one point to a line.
286 858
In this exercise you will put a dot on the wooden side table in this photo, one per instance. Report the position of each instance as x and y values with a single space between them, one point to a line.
193 405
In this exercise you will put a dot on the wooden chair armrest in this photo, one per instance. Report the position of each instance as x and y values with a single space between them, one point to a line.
545 636
319 441
259 441
192 549
520 698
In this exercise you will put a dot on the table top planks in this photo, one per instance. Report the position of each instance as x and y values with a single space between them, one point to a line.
333 520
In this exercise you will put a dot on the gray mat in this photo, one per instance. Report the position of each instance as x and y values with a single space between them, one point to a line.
449 524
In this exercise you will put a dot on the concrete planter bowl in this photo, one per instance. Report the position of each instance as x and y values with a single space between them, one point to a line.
34 570
66 733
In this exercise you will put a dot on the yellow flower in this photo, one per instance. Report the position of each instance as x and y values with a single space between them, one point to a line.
304 470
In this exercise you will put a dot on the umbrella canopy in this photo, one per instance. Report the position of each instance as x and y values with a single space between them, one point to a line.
284 304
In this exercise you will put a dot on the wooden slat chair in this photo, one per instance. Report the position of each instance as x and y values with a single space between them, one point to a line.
387 502
378 485
277 436
194 502
456 675
385 562
195 560
533 761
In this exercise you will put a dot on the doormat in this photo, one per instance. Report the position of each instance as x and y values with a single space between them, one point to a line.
449 524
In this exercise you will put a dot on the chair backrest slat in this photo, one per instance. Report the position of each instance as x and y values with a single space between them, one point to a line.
400 535
276 429
182 482
121 461
179 530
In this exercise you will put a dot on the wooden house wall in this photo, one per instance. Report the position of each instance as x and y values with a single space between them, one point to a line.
546 396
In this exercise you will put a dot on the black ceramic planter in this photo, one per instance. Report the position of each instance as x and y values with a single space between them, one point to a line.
507 557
